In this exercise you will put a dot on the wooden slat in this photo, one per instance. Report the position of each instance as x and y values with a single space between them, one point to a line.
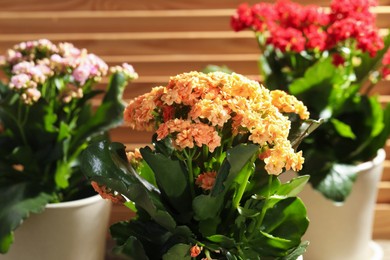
384 192
381 229
148 43
66 5
126 21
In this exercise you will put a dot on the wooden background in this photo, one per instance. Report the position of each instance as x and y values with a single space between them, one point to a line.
160 38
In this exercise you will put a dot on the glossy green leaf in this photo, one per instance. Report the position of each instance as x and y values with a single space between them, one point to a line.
293 187
18 200
178 252
172 179
224 241
322 71
106 164
286 219
108 114
296 252
343 129
206 206
133 249
338 182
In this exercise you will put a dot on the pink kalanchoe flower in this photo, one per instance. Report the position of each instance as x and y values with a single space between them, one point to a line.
82 73
23 67
19 81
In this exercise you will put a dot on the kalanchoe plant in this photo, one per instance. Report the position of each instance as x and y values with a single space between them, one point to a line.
46 120
331 61
208 187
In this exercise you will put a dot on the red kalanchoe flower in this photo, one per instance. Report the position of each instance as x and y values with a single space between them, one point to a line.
290 14
356 9
264 16
338 60
242 19
287 39
316 37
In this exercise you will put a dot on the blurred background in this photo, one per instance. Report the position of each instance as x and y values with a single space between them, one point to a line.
160 38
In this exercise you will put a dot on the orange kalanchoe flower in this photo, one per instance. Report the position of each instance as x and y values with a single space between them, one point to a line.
107 194
195 250
206 180
199 110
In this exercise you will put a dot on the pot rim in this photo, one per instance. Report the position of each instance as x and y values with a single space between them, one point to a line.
75 203
379 158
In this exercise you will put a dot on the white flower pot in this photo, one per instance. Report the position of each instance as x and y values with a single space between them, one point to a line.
344 232
74 230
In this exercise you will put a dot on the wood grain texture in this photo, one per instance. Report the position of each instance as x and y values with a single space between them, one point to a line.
93 5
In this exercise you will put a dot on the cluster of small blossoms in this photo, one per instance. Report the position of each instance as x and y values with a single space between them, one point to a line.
197 109
108 194
127 70
31 64
134 157
292 27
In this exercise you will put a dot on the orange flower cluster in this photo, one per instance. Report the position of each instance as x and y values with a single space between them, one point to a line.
194 108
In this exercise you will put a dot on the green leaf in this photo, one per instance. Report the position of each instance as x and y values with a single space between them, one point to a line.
338 182
343 129
377 116
268 245
107 165
286 219
132 249
172 179
224 241
206 206
62 174
322 71
178 252
293 187
380 140
108 115
296 252
18 200
236 159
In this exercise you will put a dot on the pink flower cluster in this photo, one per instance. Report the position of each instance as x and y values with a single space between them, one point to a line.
31 64
292 27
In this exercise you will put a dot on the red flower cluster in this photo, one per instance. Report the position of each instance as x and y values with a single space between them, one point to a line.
290 26
386 65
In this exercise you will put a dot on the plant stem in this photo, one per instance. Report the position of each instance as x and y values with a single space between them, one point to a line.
190 172
20 122
263 210
241 190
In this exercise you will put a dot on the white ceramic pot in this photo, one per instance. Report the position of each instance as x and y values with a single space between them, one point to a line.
75 230
344 232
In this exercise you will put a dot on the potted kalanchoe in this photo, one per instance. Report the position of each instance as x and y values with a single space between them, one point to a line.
208 186
331 60
46 120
